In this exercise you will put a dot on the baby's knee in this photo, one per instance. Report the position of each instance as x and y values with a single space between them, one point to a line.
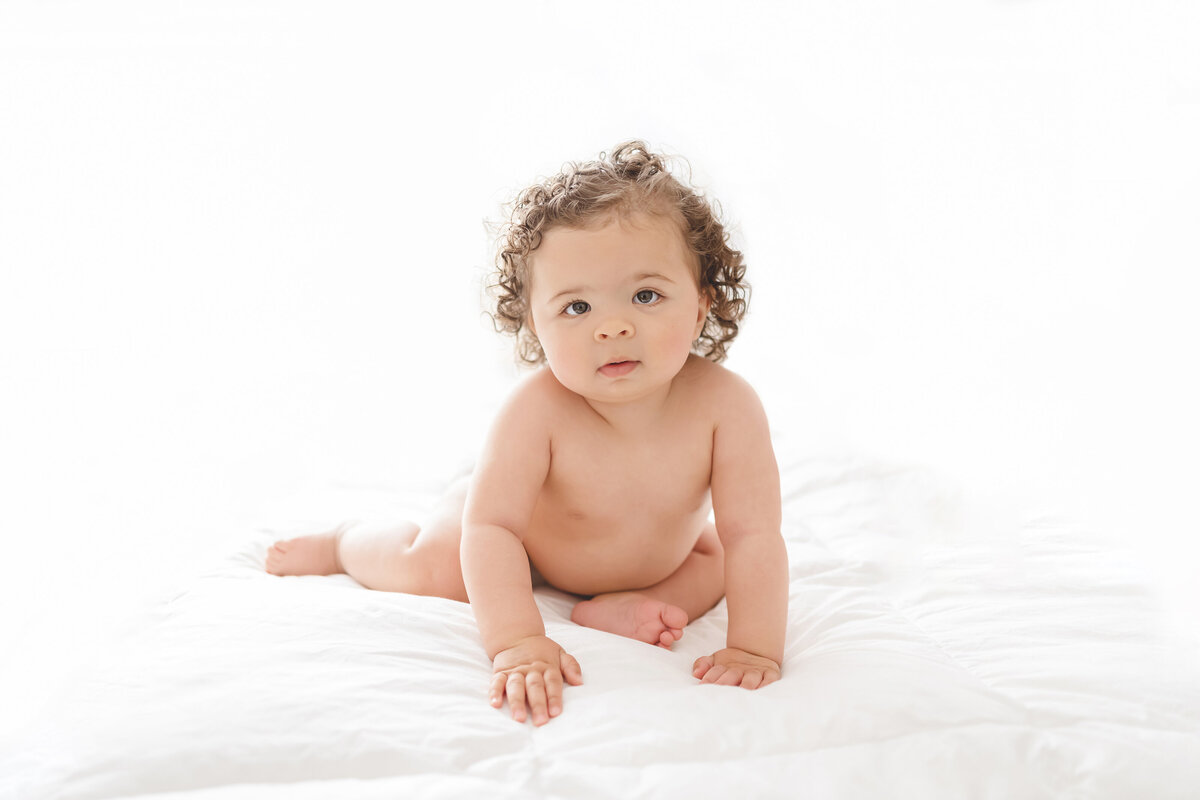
709 543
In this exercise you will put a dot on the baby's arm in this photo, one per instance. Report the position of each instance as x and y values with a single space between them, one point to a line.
527 666
746 506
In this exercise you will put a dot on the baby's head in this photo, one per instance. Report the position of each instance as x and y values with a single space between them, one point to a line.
631 181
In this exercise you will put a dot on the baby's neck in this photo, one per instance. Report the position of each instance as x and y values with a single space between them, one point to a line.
633 417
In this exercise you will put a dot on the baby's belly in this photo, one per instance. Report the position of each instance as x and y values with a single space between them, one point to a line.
596 556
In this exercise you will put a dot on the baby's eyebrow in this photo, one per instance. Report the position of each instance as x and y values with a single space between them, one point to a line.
636 278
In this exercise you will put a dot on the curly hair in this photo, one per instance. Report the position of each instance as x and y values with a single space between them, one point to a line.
631 180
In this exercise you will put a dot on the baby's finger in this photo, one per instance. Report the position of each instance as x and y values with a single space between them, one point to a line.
535 694
769 676
713 674
554 691
570 668
702 665
496 692
752 680
516 695
731 677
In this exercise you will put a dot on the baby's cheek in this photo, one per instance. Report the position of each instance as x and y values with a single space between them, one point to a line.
686 338
565 366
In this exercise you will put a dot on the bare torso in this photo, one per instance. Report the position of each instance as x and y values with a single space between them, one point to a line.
622 510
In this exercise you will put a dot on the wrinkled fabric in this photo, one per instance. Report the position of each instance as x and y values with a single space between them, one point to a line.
934 650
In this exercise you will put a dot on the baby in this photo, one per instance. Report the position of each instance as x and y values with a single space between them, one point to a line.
600 471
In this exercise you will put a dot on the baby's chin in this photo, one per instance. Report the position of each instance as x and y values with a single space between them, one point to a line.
623 392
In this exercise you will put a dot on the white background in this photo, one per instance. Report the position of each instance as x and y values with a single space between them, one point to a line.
243 245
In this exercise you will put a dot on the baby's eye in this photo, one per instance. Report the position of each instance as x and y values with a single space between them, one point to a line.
576 308
646 297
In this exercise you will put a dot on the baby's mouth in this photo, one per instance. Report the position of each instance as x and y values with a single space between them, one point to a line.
616 368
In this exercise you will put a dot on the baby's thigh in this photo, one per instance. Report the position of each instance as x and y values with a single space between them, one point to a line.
433 558
443 532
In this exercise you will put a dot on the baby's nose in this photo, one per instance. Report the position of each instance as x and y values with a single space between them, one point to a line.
614 328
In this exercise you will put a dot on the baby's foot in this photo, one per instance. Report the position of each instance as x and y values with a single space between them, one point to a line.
634 615
305 555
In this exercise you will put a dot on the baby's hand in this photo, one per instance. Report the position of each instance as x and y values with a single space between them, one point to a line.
733 667
531 671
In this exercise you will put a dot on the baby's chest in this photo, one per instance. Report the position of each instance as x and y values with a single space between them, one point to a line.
666 474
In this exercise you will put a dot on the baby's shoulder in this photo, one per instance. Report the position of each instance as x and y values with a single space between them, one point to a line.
538 393
530 410
721 388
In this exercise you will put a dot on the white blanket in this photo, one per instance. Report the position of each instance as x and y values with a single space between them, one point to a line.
933 652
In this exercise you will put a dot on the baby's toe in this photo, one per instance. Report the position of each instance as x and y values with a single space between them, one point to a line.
674 618
275 554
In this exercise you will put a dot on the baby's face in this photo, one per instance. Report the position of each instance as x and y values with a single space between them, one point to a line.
623 292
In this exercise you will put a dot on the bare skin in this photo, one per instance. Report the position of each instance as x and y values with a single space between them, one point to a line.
403 557
602 478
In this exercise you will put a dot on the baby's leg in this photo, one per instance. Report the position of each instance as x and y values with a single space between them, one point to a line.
658 613
400 557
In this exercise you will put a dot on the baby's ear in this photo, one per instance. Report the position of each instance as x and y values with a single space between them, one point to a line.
702 312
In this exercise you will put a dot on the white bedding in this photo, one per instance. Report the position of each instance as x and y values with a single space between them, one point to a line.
933 651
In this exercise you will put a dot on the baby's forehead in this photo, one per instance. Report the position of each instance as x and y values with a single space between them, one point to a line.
620 250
